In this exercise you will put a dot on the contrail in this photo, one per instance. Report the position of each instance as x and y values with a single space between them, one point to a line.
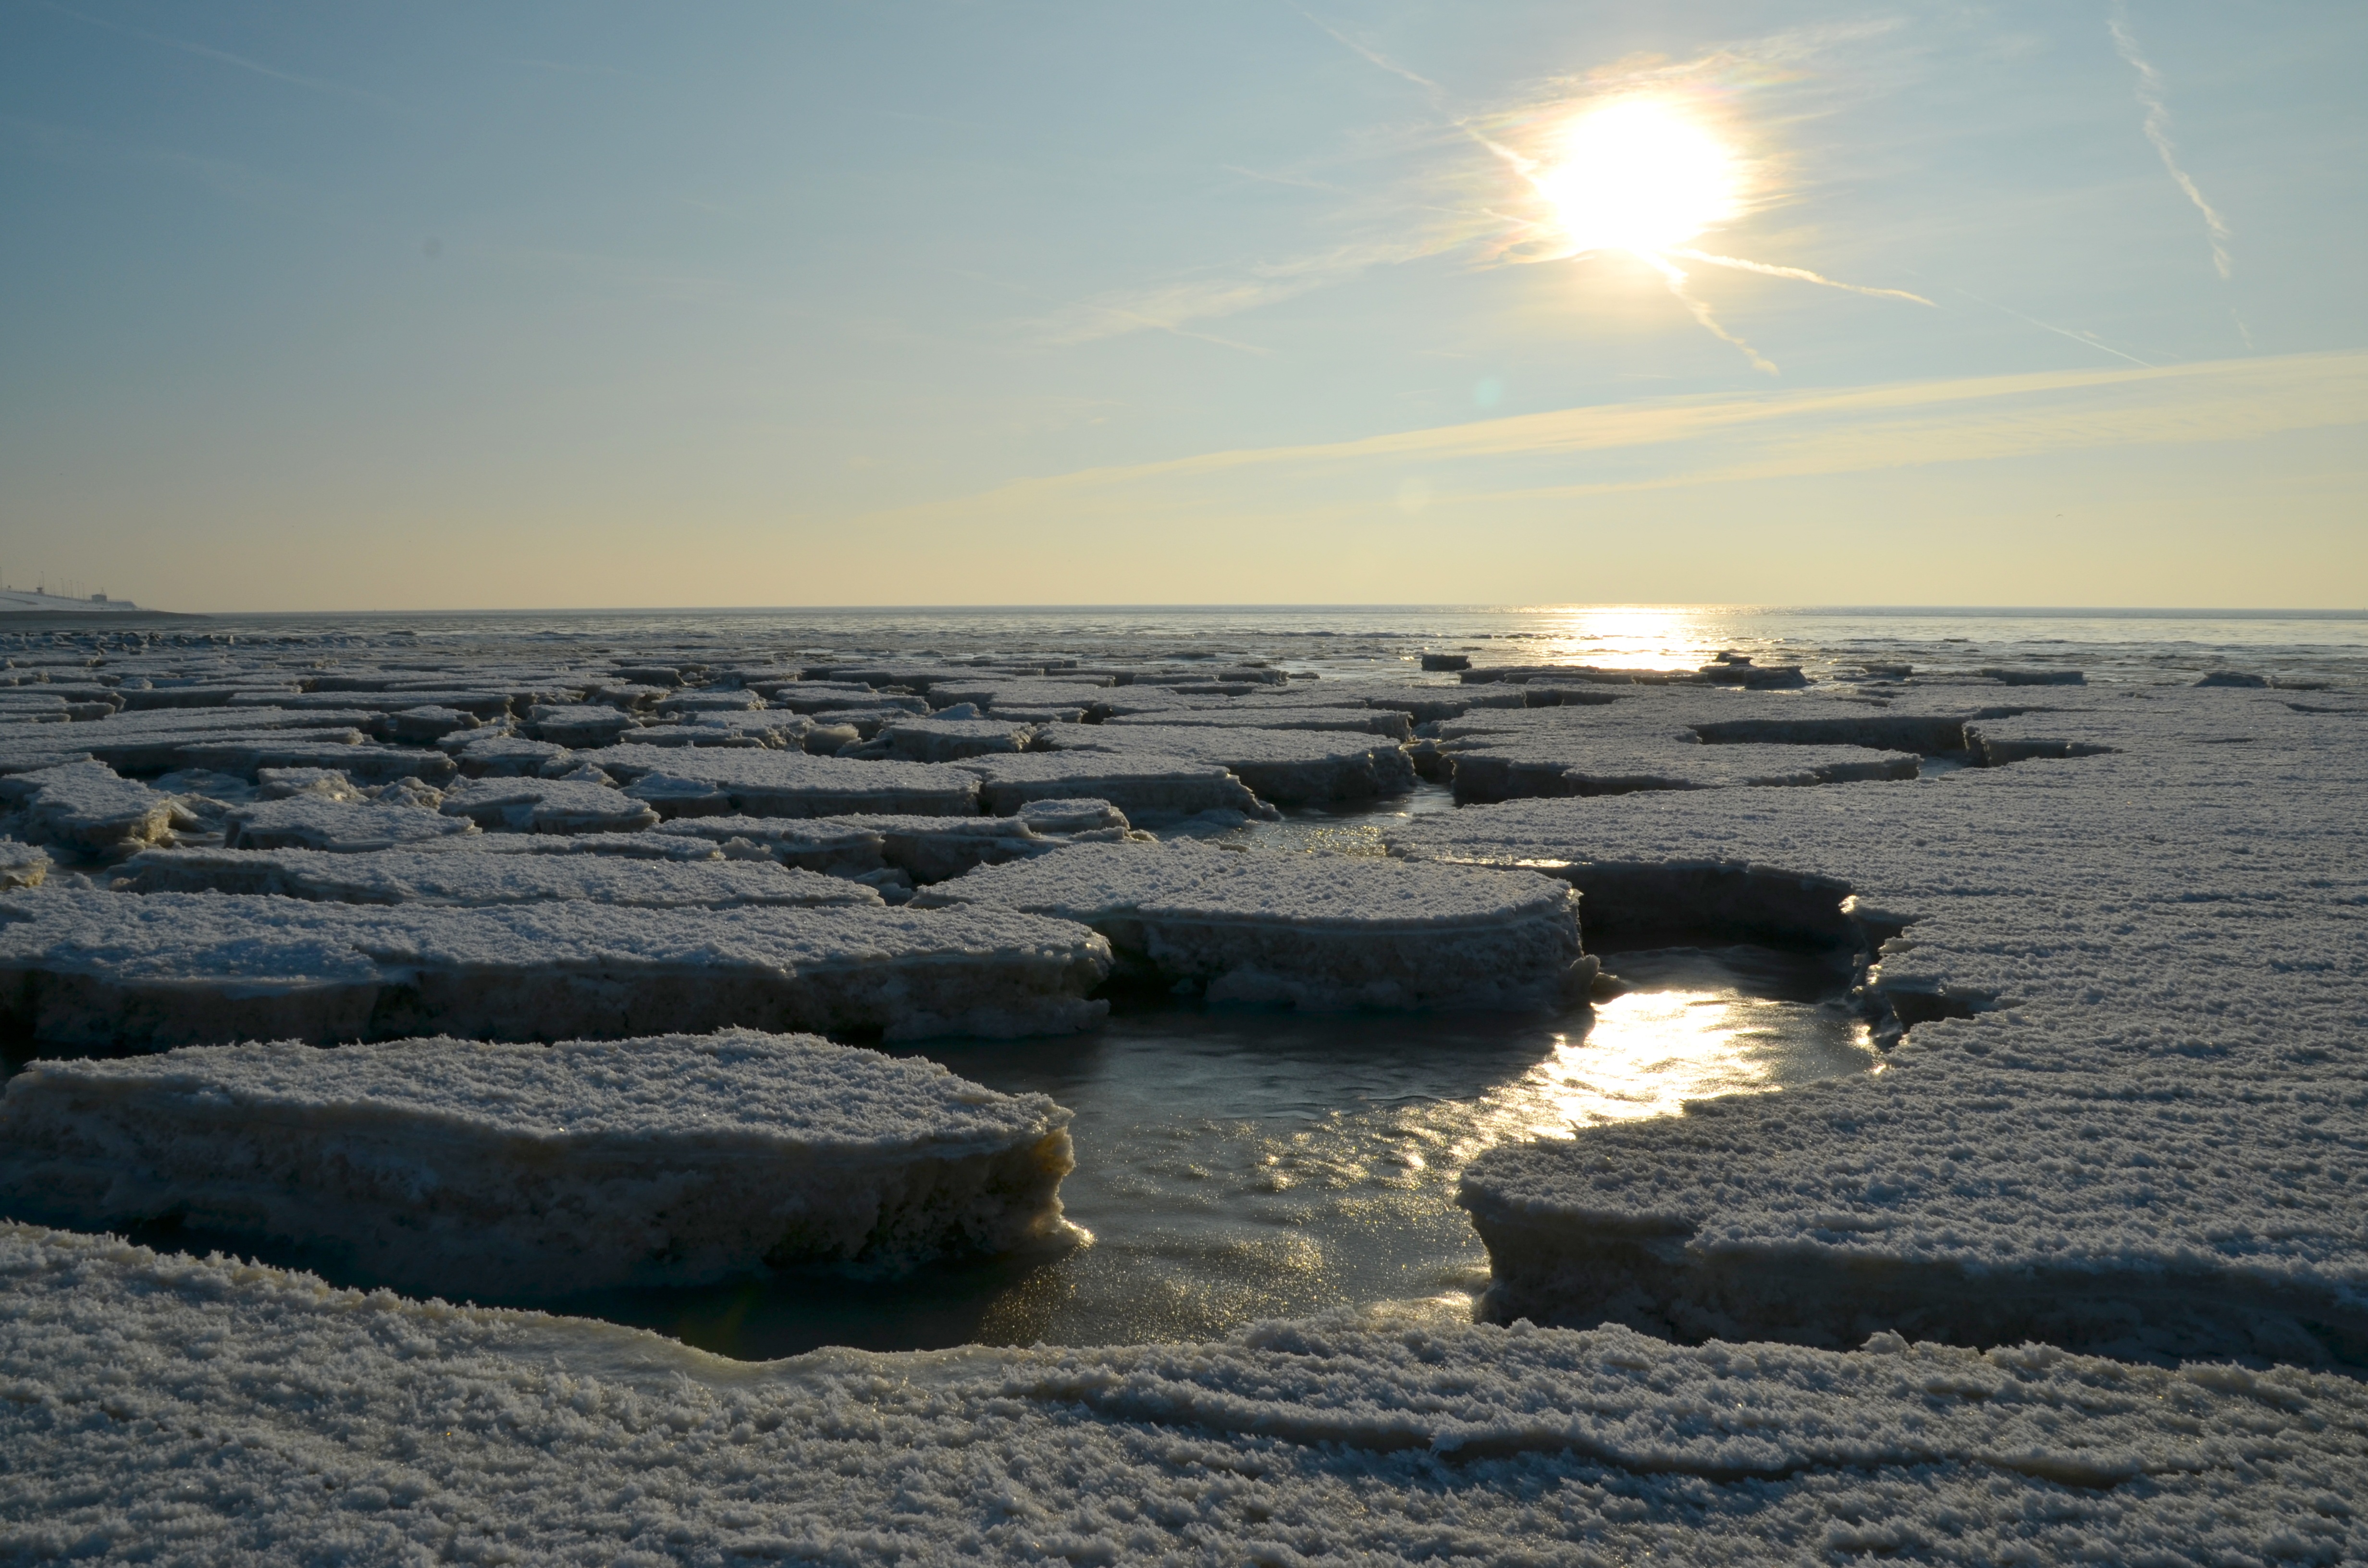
1677 281
1353 47
2157 129
2059 331
1800 273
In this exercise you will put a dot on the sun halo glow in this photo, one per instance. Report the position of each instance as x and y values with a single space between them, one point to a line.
1639 174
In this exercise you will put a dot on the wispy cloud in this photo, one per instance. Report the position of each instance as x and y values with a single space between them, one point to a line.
1365 51
224 57
2153 98
1662 443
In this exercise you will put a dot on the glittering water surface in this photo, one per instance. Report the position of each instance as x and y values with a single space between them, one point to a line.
1240 1163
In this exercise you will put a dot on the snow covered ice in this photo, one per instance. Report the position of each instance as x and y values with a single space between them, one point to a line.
1319 932
2125 1112
449 1168
473 876
213 1410
2107 933
159 969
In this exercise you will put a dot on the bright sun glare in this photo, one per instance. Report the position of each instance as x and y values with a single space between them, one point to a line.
1639 175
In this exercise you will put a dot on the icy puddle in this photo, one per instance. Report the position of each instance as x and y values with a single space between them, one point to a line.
1234 1165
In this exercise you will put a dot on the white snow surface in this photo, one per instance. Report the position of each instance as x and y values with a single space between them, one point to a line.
1320 931
2140 1131
183 1411
445 1166
470 876
80 966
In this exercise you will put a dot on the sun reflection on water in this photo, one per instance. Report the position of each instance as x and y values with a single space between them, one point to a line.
1628 637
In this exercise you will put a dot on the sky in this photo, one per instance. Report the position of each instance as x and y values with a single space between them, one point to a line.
456 306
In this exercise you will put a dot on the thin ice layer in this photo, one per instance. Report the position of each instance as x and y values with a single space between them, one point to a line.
472 877
150 1389
1319 931
2126 1110
449 1168
79 967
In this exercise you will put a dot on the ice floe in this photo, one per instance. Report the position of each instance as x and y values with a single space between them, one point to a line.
2124 1113
1286 767
1148 787
85 968
788 784
449 1167
1318 931
471 876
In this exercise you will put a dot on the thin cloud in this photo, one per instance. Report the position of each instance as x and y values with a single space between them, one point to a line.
1664 443
224 57
1370 55
1801 274
2152 96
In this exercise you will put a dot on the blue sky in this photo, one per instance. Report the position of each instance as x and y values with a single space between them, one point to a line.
375 306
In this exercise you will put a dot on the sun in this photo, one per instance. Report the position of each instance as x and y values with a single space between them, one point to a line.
1640 176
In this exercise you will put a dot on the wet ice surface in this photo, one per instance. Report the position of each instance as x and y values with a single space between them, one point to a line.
1238 1163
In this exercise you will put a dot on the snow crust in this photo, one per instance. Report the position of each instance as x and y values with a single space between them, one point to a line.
472 877
317 821
1318 931
792 784
81 967
1147 786
2126 1114
204 1411
1288 766
448 1168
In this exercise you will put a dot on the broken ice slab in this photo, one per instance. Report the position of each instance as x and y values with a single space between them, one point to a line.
428 725
508 755
447 1167
85 808
365 763
1318 931
547 805
1549 765
791 784
574 725
150 743
474 877
1389 724
948 740
21 865
1288 766
1146 788
318 821
89 968
832 846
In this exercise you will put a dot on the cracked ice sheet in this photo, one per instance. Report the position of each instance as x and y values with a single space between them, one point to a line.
471 876
792 784
444 1166
84 967
1320 931
2143 1139
1288 766
379 1429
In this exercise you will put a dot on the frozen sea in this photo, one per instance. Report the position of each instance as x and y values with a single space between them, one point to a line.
1236 1163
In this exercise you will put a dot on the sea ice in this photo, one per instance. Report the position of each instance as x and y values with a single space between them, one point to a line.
576 725
81 967
547 805
1146 788
1318 931
259 1415
471 876
85 808
1287 767
313 820
792 784
2119 1115
448 1168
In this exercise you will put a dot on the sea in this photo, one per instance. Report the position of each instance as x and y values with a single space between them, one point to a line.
1237 1162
